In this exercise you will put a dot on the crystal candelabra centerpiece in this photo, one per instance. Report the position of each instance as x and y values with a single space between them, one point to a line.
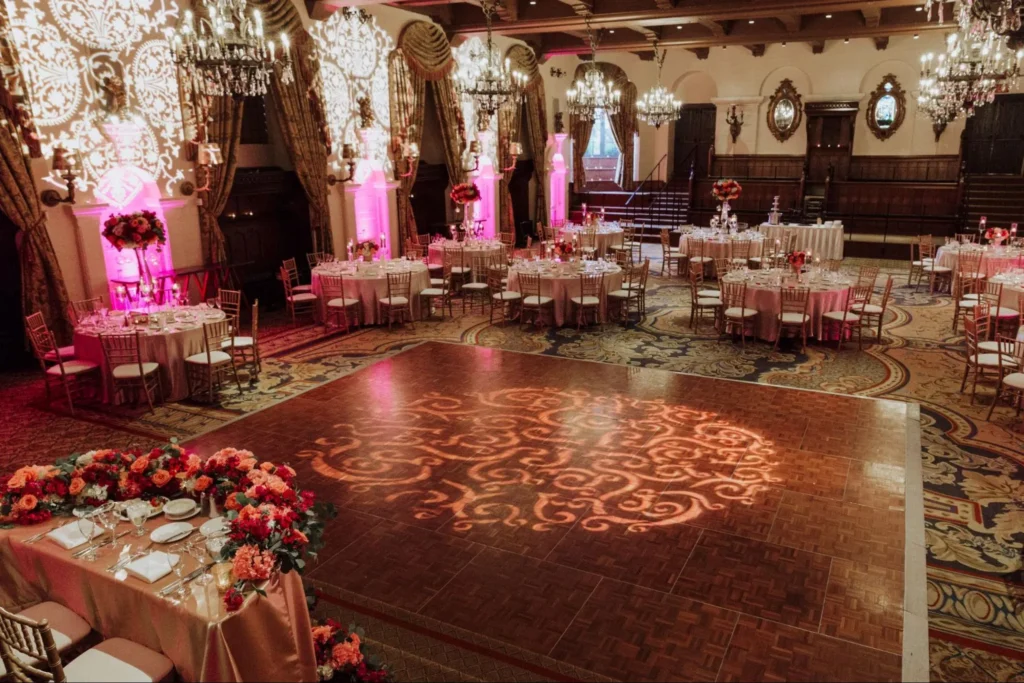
223 50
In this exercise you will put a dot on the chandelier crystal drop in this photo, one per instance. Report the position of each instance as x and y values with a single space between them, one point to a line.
1001 17
658 106
592 93
223 50
486 80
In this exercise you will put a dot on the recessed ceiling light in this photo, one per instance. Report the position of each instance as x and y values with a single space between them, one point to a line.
919 9
751 21
611 30
828 16
680 26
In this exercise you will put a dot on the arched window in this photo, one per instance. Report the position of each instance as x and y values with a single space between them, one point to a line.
602 157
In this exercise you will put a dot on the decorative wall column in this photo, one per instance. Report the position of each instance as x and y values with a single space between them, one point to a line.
366 208
558 182
487 178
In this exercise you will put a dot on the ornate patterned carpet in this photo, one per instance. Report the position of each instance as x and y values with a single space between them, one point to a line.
974 484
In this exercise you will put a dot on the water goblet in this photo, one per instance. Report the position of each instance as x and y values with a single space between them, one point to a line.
138 513
180 550
197 549
87 527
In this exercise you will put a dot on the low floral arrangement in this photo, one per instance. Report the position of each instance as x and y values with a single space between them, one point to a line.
135 230
726 190
465 193
563 249
274 526
797 259
996 235
367 247
341 656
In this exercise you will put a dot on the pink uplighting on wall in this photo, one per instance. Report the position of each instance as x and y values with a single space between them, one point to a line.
373 212
556 212
126 189
486 209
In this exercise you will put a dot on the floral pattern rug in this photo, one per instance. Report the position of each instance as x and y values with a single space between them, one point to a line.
973 477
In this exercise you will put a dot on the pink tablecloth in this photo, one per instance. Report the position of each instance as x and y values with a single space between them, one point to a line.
369 287
767 302
606 237
562 288
268 639
717 249
483 248
993 261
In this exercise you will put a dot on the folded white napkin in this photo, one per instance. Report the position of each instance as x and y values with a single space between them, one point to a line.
152 567
70 536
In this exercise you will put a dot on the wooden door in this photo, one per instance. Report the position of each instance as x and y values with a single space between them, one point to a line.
695 137
994 138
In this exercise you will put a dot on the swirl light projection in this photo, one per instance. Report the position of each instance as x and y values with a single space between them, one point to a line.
352 51
542 458
67 48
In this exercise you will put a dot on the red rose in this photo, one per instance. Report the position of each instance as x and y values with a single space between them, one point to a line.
233 600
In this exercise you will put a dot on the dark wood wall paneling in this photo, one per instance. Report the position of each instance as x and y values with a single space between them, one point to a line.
757 166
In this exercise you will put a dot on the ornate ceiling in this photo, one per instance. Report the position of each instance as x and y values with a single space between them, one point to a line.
556 27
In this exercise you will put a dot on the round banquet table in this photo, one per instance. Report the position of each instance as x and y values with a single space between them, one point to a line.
1013 288
608 236
719 246
561 281
825 241
994 260
828 293
368 282
169 346
471 249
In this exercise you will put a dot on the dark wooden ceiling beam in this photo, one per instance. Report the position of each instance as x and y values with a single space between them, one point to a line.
817 46
872 16
881 43
791 22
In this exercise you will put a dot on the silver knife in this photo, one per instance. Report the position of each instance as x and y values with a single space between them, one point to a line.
188 578
95 546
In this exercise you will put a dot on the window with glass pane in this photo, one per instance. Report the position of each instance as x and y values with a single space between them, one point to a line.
602 142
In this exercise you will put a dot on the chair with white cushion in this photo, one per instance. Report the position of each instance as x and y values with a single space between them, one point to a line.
968 282
735 313
670 255
793 302
292 273
298 301
70 373
439 290
739 252
83 308
589 299
979 364
460 270
937 275
629 296
1012 382
501 299
129 374
477 290
917 263
534 303
339 310
846 318
208 368
588 241
35 322
695 252
702 299
397 305
869 311
230 301
246 348
35 638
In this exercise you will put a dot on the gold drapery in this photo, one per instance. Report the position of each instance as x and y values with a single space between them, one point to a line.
509 123
453 125
224 130
622 124
426 49
408 95
579 130
302 129
524 60
42 284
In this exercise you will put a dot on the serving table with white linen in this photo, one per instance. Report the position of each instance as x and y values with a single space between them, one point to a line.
825 241
268 638
828 293
169 337
609 235
368 282
471 249
561 282
718 244
994 260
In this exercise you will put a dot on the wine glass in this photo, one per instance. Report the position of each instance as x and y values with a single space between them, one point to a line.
106 516
180 550
138 513
197 549
87 527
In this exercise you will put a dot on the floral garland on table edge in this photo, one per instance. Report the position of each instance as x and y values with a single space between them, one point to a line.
465 193
136 230
726 190
272 525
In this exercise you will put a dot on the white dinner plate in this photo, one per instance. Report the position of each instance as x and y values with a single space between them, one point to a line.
169 533
214 527
181 507
153 512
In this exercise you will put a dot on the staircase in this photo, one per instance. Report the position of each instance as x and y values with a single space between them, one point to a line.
1000 198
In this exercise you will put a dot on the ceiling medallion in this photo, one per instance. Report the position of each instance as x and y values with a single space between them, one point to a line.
785 111
592 93
658 106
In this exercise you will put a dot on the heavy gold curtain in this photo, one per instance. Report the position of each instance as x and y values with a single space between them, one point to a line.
622 124
453 125
224 130
302 127
408 95
536 133
42 283
509 123
579 130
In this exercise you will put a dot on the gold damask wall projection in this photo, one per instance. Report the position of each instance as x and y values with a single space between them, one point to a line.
541 458
68 48
352 51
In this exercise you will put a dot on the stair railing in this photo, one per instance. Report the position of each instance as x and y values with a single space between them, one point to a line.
643 183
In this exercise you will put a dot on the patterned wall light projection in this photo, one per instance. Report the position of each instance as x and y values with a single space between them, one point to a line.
352 51
68 48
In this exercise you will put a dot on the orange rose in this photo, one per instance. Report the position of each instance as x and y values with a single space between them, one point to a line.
267 466
247 464
28 502
278 486
232 502
17 481
76 487
140 465
248 513
161 477
203 483
193 464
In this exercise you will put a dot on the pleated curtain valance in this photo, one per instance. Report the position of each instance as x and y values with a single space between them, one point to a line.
426 50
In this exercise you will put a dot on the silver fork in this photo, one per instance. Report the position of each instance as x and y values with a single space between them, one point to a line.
41 534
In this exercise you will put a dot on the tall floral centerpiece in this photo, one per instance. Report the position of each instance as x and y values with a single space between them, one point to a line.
367 248
465 194
796 260
139 231
725 191
996 235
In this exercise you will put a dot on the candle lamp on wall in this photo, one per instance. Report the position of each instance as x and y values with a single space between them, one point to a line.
735 123
514 149
348 155
62 165
207 156
409 156
474 151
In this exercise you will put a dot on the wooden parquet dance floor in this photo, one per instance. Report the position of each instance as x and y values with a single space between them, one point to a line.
639 524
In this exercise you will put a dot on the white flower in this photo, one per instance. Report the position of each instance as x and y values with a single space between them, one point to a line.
85 459
94 491
325 672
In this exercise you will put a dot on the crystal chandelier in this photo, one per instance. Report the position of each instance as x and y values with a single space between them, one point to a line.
591 94
224 52
658 106
972 71
489 82
1001 17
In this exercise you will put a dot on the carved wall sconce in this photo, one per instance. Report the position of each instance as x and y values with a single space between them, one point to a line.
514 149
735 123
62 165
207 156
348 155
938 129
474 151
557 73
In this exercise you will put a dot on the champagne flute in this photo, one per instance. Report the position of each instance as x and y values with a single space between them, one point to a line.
197 549
178 567
87 527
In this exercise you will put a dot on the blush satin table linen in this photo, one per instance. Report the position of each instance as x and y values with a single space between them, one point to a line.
369 284
824 241
561 285
268 639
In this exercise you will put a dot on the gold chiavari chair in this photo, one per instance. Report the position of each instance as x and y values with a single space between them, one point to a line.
966 237
670 255
589 300
739 251
127 371
793 302
230 301
298 302
695 252
979 363
501 298
85 307
70 373
397 305
735 313
534 303
36 323
207 369
292 272
629 296
439 289
477 290
936 274
1012 379
315 258
246 348
872 312
702 299
339 310
847 318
